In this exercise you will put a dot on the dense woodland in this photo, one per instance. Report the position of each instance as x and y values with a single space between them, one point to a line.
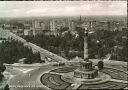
101 43
11 51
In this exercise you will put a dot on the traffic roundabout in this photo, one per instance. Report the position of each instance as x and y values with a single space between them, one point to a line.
63 78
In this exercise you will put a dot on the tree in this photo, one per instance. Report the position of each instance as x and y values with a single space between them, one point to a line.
3 27
1 76
63 29
100 65
37 57
2 67
6 87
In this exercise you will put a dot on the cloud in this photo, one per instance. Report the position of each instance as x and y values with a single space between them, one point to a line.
60 8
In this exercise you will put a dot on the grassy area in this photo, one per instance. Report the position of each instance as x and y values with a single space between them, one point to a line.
58 83
116 74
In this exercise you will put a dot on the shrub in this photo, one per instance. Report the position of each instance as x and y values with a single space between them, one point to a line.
100 65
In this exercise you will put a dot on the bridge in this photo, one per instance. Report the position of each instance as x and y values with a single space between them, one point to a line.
45 54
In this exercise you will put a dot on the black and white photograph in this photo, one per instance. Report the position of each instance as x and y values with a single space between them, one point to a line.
63 45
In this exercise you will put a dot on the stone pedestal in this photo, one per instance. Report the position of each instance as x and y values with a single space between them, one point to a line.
86 70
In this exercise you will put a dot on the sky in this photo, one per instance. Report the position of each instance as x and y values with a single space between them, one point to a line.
61 8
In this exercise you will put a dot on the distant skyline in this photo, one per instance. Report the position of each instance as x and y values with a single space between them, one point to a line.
62 8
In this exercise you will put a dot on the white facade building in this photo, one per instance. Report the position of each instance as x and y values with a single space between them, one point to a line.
4 33
42 26
52 25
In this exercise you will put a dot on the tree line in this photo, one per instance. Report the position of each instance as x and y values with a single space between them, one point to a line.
101 43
